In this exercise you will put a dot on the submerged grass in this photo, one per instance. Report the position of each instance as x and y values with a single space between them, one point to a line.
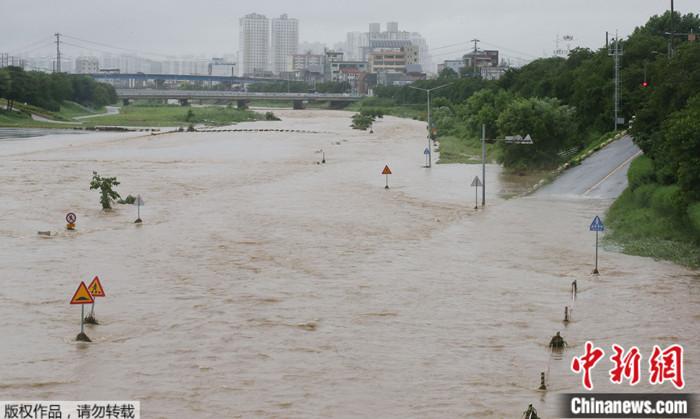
174 115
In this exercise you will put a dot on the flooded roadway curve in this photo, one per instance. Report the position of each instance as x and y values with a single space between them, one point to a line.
263 284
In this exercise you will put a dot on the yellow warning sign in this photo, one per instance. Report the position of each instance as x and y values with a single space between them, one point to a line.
386 171
82 295
95 287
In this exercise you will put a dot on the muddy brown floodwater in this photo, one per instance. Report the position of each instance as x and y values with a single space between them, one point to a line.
263 284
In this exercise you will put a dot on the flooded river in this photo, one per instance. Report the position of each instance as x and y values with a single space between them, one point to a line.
263 284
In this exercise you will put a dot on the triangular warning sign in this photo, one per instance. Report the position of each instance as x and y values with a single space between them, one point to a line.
386 170
95 287
477 182
82 295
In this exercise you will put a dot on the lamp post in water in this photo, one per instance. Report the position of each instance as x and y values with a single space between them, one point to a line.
430 122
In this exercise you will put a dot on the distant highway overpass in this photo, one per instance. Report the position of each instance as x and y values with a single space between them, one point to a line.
143 77
337 100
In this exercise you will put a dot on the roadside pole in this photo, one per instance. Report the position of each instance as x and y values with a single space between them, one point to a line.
595 270
430 122
483 164
430 127
476 183
597 226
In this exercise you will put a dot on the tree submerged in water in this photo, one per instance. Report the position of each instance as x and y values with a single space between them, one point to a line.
105 185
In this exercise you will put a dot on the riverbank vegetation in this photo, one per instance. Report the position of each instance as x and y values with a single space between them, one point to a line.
51 91
565 104
148 115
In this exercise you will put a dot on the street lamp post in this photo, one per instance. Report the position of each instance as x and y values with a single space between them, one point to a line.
430 125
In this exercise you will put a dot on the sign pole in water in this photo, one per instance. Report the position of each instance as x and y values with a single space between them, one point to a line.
138 203
483 164
386 172
596 225
82 296
426 152
476 183
96 290
70 219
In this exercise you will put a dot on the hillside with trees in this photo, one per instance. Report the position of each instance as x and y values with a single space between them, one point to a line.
49 91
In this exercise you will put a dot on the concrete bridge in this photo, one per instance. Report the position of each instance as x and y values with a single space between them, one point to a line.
336 100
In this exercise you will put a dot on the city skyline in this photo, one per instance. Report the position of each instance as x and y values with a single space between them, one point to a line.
447 26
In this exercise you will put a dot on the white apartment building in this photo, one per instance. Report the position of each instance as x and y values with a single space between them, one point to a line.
355 45
254 45
87 65
285 42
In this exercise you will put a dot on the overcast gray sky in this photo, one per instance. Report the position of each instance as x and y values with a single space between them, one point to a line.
528 28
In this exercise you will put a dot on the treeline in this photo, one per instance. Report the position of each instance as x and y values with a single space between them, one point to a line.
566 103
49 90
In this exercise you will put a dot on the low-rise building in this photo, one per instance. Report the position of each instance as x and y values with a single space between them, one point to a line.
455 65
393 60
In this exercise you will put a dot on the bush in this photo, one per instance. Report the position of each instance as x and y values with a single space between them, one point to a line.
129 200
694 216
642 195
269 116
105 185
668 200
362 121
641 171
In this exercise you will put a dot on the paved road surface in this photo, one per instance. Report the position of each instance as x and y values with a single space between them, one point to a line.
603 175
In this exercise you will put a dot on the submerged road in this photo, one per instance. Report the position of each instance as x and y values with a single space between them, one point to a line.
603 175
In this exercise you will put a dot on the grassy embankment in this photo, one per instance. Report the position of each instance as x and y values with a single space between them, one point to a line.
136 115
453 148
146 115
650 219
21 117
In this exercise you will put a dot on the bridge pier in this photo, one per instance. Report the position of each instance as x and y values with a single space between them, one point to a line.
298 104
242 104
184 102
338 104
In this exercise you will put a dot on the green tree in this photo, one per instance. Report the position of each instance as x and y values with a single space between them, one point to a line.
681 134
20 86
4 83
447 74
106 186
551 125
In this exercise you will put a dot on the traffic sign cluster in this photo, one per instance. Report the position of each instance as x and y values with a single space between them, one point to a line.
86 295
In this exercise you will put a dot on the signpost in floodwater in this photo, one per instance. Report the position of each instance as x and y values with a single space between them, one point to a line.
596 225
82 296
476 183
386 172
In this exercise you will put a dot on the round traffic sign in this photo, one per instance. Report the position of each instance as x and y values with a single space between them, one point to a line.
70 218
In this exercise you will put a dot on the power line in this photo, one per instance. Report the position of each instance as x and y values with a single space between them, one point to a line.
509 49
31 45
133 51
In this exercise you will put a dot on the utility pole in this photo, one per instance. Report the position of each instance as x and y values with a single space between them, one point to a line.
673 30
430 121
476 49
616 53
58 52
